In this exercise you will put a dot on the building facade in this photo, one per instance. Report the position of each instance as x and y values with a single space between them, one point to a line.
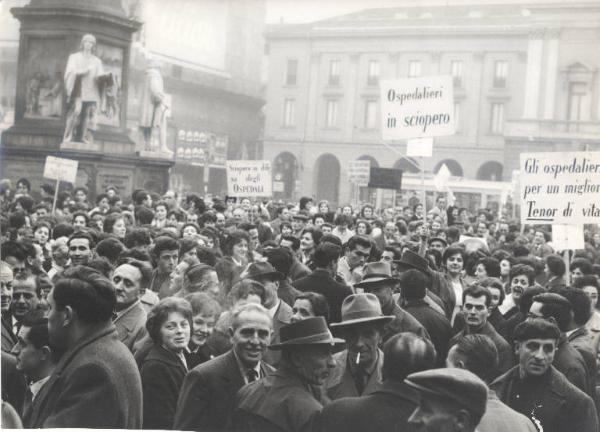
514 68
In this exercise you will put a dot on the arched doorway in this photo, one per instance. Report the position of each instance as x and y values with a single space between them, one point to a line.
491 171
406 166
366 194
453 166
327 178
285 175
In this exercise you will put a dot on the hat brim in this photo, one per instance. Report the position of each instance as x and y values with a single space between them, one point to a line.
381 319
331 342
376 281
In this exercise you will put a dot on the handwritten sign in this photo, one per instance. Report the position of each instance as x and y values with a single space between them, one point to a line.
359 172
249 178
60 169
417 107
560 188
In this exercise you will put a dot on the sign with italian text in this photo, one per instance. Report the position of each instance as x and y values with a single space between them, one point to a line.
249 178
417 108
359 172
60 169
560 188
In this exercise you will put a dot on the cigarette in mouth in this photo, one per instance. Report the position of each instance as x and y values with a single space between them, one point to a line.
358 358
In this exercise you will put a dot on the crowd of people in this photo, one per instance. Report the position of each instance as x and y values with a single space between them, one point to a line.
169 312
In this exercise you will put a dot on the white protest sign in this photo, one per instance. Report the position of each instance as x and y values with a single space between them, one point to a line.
359 172
417 107
419 147
60 169
567 237
249 178
560 188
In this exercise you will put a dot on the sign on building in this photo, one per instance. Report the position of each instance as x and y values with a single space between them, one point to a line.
249 178
560 188
60 169
386 178
359 172
417 107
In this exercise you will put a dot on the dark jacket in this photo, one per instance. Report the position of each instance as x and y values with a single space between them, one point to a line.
207 397
162 376
321 282
506 358
96 384
340 382
559 405
228 272
570 362
287 292
298 270
403 322
436 324
385 409
280 402
13 382
556 284
9 339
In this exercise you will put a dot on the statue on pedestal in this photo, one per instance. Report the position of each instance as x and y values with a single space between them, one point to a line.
154 111
85 84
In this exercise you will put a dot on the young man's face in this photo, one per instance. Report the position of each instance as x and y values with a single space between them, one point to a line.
475 311
79 251
167 260
358 256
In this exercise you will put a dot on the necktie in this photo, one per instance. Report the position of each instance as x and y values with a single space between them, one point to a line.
252 375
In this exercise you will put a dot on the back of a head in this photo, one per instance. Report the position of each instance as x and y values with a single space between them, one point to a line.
556 265
580 303
557 307
527 298
325 254
164 243
143 215
137 237
479 355
406 353
413 284
281 259
110 248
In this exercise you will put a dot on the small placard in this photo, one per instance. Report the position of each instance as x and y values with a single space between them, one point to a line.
60 169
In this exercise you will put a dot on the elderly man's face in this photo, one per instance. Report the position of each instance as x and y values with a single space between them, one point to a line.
6 291
434 415
364 340
314 363
251 336
25 297
127 283
535 356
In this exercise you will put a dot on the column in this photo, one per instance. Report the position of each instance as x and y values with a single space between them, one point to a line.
551 74
533 74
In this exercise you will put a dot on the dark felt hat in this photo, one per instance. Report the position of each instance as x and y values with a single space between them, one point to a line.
300 216
457 385
411 260
439 239
262 269
362 308
311 331
375 273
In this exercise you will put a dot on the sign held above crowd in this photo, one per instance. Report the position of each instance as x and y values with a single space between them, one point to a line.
60 169
249 178
385 178
359 172
560 188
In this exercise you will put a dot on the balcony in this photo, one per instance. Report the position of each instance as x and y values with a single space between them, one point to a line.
552 129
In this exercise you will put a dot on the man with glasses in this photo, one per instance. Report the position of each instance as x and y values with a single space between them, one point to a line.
477 302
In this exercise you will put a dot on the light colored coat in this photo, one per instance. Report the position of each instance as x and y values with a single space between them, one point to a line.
131 325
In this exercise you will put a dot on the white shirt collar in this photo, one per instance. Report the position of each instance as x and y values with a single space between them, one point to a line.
37 386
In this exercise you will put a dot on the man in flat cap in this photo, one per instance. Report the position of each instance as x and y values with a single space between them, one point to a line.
286 400
358 368
388 407
539 391
450 400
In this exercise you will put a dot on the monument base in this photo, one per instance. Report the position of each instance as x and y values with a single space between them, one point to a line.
152 154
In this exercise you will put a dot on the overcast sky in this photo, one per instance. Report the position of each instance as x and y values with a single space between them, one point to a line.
298 11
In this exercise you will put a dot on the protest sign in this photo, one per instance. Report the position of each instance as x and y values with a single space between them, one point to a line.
359 172
417 107
385 178
60 169
419 147
560 188
249 178
567 237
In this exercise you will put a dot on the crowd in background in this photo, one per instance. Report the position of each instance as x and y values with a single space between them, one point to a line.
169 312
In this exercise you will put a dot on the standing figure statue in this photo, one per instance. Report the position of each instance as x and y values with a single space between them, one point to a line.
84 83
154 110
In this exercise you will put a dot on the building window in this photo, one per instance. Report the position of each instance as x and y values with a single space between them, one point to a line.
373 76
414 69
334 72
456 67
457 116
579 102
292 72
497 123
288 112
332 113
500 74
370 114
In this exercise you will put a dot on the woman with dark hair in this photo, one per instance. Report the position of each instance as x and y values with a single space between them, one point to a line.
235 259
41 234
165 367
363 227
309 240
305 204
367 212
453 261
325 210
114 224
506 262
310 304
487 267
80 220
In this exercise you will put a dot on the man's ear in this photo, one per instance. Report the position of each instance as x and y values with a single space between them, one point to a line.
69 315
517 347
45 353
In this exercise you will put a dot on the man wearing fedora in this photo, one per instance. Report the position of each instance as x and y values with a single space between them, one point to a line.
280 312
285 400
378 280
358 368
388 407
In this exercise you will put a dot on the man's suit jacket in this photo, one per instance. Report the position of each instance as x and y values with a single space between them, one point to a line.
298 270
282 317
321 282
9 339
499 417
13 382
131 325
96 384
341 384
385 409
436 324
207 397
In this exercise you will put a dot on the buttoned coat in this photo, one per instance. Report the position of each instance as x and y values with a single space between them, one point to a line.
340 382
162 376
386 408
131 325
207 397
96 384
562 407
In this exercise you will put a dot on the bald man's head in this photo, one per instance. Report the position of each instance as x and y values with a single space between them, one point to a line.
406 353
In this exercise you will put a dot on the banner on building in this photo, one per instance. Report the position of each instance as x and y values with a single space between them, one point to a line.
249 178
560 188
60 169
359 172
417 108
